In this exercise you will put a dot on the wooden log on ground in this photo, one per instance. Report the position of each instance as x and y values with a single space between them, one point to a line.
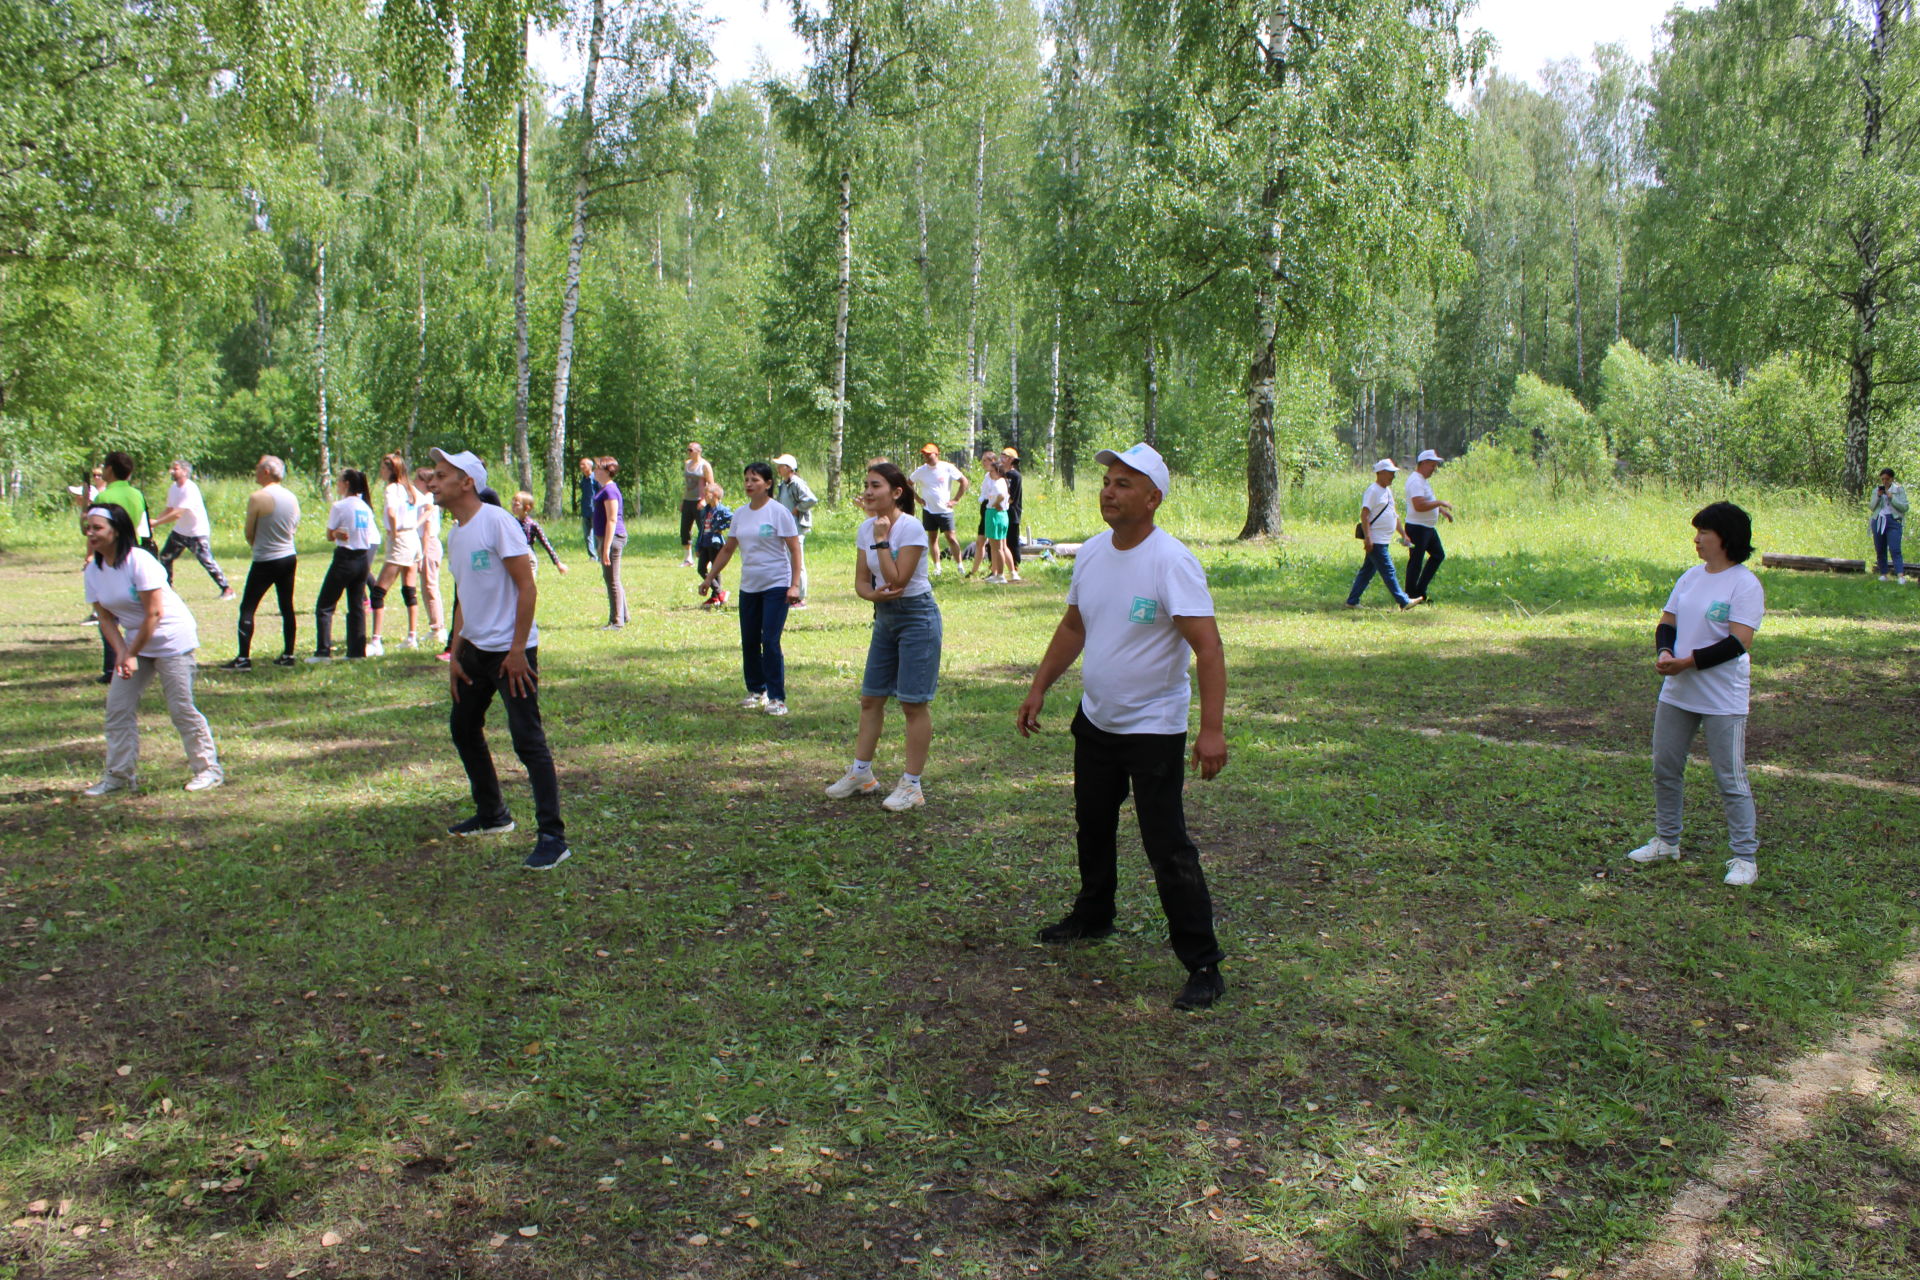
1816 564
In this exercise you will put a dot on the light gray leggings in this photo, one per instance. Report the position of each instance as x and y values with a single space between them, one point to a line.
1673 732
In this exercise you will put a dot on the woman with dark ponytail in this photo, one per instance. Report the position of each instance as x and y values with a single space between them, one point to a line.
350 530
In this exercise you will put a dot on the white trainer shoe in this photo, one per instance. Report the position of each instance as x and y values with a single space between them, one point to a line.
753 702
411 642
775 707
375 648
1742 871
206 780
319 658
853 784
107 786
1655 850
439 636
906 795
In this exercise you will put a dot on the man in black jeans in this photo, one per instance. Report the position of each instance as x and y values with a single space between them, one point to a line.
1139 609
495 649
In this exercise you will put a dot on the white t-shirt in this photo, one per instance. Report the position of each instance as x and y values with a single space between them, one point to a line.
1418 486
1133 671
429 510
1702 605
1383 526
488 597
119 589
356 517
186 499
934 482
906 532
993 493
403 513
762 535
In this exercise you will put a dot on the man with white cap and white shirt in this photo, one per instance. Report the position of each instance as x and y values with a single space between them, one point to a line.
495 649
1139 609
1423 525
1378 525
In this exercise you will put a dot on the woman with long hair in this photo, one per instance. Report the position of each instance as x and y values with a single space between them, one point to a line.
610 536
903 652
402 503
350 530
152 634
768 540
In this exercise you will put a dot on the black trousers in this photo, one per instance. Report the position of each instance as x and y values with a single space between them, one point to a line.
689 520
1423 561
1154 766
468 722
347 574
277 574
1013 538
178 543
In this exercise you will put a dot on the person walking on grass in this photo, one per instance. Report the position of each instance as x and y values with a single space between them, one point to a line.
1016 507
402 512
432 554
496 649
1139 609
940 486
793 494
903 652
772 565
530 529
1701 646
273 513
350 530
696 473
1378 525
1424 511
151 634
1886 518
187 513
610 535
584 490
714 520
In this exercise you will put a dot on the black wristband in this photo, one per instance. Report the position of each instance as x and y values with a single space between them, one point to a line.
1719 651
1665 636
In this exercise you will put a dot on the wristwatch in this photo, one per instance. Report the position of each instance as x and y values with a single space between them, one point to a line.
883 546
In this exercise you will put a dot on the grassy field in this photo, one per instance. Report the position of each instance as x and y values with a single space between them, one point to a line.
288 1027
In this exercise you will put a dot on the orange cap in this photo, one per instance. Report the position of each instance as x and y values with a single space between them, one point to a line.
930 448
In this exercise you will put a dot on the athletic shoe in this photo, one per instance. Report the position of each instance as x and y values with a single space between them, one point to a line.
996 579
439 635
443 656
548 853
686 561
1072 930
753 702
1742 871
1412 601
229 594
937 569
206 780
376 648
284 660
721 597
479 826
853 784
318 658
237 664
103 678
411 642
1655 850
906 795
1204 986
1884 578
1016 578
775 707
614 626
107 786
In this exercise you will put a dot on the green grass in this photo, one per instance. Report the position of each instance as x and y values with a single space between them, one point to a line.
1462 1038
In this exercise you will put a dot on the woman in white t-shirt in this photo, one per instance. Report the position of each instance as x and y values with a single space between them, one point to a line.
767 538
1701 646
431 553
350 530
151 633
903 654
402 503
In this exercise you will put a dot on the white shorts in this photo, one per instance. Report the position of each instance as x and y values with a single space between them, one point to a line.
404 551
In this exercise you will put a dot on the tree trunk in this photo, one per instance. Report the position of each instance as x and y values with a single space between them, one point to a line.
570 299
690 242
1013 377
522 357
1579 321
921 259
419 350
1151 373
1263 461
842 304
320 362
973 289
1053 410
1869 293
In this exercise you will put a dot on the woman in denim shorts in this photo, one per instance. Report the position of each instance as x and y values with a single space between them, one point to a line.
903 657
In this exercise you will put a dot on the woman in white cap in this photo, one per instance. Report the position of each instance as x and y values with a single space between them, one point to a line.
1379 523
772 565
793 494
151 633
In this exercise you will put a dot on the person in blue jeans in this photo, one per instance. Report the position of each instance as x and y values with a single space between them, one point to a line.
1887 516
767 540
1379 523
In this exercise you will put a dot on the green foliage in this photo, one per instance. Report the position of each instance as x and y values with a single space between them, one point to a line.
1570 442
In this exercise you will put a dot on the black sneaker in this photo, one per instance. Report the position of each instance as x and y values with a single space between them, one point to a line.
284 660
548 853
238 664
479 826
1204 986
103 678
1072 930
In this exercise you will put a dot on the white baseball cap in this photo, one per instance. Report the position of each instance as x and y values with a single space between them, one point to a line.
1385 464
1428 455
1143 458
788 461
467 462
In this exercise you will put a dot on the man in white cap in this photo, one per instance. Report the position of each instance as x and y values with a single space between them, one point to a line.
1378 525
1423 525
940 485
793 494
495 649
1139 608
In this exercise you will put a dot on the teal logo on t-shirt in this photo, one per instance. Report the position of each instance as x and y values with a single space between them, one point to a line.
362 520
1719 611
766 530
482 560
1144 610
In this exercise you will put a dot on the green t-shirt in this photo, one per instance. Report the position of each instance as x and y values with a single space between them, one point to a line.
132 501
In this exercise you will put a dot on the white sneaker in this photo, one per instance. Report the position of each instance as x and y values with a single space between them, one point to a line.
439 636
375 649
1655 850
753 702
686 561
107 786
776 708
206 780
938 569
1016 578
1742 871
996 578
1883 577
906 795
411 642
853 784
319 658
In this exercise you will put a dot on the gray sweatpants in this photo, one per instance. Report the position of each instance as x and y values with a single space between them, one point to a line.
1673 732
123 716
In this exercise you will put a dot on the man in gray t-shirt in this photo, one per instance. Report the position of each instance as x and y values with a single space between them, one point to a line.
273 513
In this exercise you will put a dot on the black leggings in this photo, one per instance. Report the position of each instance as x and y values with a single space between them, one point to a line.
689 517
348 573
277 574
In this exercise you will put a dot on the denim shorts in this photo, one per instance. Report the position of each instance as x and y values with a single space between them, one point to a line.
903 657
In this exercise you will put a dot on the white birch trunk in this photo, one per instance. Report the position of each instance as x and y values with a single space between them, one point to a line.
973 290
570 299
842 304
522 359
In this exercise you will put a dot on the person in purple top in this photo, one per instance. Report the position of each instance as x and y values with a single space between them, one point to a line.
610 536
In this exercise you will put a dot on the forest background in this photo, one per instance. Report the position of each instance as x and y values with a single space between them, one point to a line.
1269 237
